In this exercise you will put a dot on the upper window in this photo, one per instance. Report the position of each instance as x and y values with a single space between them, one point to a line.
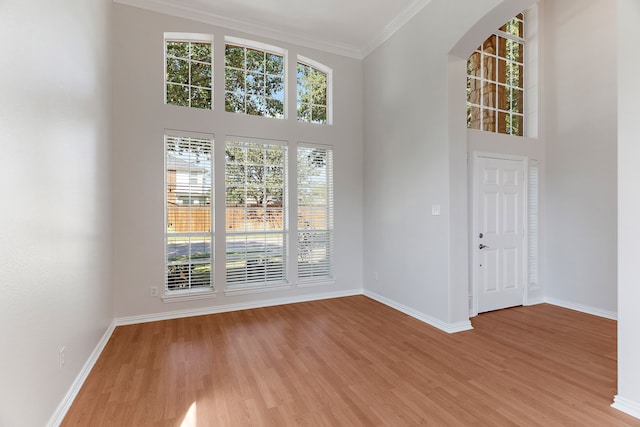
313 91
256 233
495 83
254 79
188 213
188 70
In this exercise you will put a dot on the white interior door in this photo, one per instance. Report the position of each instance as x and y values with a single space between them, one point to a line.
500 233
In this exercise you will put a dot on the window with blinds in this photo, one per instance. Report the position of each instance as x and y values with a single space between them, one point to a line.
256 231
188 213
315 212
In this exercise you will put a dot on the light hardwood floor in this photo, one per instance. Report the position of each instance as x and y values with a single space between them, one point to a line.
355 362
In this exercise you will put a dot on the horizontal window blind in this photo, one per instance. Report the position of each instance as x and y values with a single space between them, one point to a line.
188 209
315 212
255 184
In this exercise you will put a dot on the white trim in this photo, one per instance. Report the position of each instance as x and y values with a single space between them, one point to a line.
627 406
594 311
169 315
534 301
343 49
253 28
449 328
252 44
189 37
392 27
62 409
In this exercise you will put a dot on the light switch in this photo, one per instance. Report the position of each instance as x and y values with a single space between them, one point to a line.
435 210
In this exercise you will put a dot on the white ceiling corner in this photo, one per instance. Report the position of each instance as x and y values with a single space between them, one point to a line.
335 28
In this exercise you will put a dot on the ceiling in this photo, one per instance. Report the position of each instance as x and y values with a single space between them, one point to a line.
346 27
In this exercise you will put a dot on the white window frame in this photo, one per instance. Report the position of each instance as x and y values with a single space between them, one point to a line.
200 292
251 44
248 287
305 236
187 37
329 72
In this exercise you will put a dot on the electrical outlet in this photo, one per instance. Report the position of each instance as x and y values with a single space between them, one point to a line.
153 290
62 356
376 275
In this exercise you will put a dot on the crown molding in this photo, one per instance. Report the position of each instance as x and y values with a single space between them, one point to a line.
181 11
398 22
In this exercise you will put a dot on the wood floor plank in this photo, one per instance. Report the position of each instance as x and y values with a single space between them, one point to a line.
355 362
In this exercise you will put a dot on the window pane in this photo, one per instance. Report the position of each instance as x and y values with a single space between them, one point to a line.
488 120
255 83
275 87
234 80
473 117
201 98
201 52
234 56
274 108
275 64
177 95
255 60
201 75
473 65
178 49
234 103
177 70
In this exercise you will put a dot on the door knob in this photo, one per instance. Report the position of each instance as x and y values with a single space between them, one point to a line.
483 246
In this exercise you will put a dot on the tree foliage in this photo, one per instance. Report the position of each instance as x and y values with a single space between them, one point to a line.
255 174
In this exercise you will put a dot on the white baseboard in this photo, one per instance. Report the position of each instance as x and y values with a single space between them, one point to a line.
583 308
168 315
437 323
626 406
63 407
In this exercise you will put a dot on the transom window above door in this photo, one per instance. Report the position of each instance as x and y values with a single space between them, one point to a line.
495 81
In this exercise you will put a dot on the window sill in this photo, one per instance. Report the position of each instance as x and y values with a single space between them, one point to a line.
180 296
253 289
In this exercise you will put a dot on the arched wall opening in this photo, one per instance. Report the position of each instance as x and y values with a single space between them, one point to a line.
460 291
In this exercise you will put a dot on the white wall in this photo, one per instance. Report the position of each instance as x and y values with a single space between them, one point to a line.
140 118
415 157
580 115
55 288
628 397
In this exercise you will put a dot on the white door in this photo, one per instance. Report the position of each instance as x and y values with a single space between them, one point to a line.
499 243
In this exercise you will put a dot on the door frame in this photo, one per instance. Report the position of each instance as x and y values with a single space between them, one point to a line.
475 229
